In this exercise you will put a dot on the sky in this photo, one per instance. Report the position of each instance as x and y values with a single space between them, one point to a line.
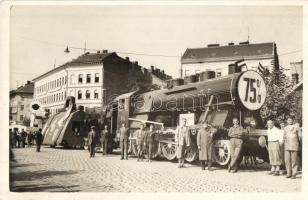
39 34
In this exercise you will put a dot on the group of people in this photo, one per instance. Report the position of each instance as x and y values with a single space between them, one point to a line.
20 139
93 138
283 145
144 139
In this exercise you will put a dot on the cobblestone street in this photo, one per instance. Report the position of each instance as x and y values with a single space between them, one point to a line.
73 171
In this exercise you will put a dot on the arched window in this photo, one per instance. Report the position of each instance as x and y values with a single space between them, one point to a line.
95 94
72 79
96 78
88 78
88 94
57 98
62 83
80 78
79 94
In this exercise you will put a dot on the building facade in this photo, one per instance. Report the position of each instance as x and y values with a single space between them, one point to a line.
296 70
94 79
218 58
20 100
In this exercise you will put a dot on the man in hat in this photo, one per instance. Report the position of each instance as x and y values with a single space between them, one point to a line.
182 139
92 141
273 137
235 133
292 137
149 142
23 136
205 144
124 135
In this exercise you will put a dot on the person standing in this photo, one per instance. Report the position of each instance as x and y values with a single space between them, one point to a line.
205 145
38 140
140 135
149 142
92 141
292 137
23 136
18 138
281 143
124 134
274 138
182 139
104 139
30 138
235 133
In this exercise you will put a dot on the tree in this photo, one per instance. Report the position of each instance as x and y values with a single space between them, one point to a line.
280 102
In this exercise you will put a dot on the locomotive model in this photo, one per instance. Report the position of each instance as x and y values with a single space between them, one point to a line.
216 100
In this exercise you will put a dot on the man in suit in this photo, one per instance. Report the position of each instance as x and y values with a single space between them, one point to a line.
140 134
182 139
38 140
92 141
235 133
104 139
149 142
23 136
292 137
124 134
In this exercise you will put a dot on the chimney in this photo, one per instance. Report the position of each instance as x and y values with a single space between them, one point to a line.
28 82
127 58
136 62
152 68
105 51
98 51
231 43
244 43
213 45
295 79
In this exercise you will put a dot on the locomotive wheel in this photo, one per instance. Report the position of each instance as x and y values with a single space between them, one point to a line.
169 150
222 154
190 154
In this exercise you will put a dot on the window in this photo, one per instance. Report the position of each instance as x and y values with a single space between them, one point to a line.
21 117
62 83
88 78
65 80
79 94
21 107
80 78
64 94
88 94
218 74
72 79
96 78
57 97
95 94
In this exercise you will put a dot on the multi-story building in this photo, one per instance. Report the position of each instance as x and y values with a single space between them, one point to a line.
218 58
20 100
92 78
296 70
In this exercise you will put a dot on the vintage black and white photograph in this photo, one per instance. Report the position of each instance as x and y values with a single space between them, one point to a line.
155 98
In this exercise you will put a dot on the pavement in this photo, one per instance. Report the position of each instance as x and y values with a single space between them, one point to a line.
72 170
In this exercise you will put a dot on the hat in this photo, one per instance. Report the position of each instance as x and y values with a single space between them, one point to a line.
92 127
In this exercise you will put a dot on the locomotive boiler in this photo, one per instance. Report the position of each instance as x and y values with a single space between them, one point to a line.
216 100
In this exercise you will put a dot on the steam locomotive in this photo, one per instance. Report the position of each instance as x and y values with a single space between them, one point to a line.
216 100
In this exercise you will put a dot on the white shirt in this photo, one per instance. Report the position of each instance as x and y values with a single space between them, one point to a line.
274 134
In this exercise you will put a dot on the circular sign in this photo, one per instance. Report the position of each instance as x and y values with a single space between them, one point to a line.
251 90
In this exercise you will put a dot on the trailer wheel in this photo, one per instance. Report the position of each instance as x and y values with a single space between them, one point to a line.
169 150
190 154
221 152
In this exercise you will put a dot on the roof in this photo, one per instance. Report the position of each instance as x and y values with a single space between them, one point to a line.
229 53
87 59
26 89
